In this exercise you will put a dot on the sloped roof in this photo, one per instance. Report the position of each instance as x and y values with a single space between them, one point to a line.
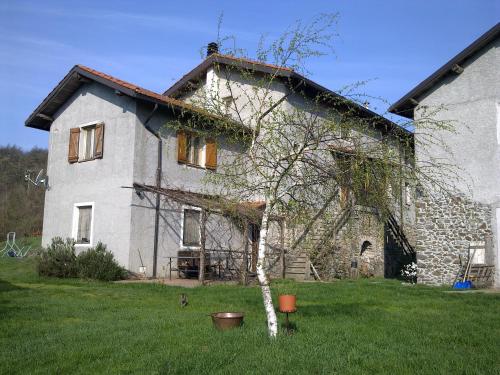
405 105
41 117
283 72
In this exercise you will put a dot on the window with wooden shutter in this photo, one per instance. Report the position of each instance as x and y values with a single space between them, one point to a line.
98 141
181 147
74 138
211 154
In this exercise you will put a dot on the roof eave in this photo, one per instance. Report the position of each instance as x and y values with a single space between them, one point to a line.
406 105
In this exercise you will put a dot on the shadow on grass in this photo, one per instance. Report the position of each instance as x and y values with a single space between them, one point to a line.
336 309
5 286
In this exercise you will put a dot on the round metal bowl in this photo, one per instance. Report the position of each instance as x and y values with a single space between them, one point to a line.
227 320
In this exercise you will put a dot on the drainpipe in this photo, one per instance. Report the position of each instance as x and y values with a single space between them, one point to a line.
158 185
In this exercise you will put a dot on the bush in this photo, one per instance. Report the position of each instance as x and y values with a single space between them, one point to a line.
58 259
99 264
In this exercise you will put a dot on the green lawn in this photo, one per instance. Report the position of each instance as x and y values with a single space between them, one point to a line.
54 326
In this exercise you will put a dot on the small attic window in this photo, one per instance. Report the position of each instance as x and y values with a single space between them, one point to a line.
227 102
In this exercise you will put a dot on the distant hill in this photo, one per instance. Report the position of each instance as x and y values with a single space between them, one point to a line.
21 205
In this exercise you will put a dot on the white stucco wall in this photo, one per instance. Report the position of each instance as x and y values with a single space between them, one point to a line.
98 181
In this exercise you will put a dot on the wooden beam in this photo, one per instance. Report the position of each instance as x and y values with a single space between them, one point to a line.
414 101
244 262
82 78
45 117
457 69
203 237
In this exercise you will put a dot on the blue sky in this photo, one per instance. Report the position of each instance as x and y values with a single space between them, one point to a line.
393 44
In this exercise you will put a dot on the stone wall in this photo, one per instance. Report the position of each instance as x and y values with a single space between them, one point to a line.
445 226
332 255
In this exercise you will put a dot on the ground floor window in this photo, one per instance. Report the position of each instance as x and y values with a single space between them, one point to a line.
191 228
82 223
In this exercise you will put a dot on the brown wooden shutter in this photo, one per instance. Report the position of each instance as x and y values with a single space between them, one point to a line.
74 138
98 141
211 154
181 146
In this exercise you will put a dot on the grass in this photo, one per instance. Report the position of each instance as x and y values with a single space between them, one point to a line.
50 326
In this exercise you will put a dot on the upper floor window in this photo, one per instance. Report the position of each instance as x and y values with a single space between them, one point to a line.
192 149
86 143
195 146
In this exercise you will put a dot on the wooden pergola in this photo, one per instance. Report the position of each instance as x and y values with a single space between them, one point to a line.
249 212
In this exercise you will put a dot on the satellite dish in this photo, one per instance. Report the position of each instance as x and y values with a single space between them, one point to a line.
38 177
40 180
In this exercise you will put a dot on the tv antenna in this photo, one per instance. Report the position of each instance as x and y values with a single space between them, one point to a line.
41 179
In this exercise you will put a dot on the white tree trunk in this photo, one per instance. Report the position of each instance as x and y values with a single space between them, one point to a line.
272 323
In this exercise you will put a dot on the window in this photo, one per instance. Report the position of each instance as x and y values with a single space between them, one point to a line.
195 150
228 103
479 256
191 228
86 142
345 131
195 146
82 223
407 194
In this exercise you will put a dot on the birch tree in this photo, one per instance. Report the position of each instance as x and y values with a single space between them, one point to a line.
309 154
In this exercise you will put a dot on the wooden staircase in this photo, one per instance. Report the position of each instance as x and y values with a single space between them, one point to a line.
298 267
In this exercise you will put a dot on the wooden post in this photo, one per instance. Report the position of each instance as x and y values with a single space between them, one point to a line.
203 236
282 244
244 261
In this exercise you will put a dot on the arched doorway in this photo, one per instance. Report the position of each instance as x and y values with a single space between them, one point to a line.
366 248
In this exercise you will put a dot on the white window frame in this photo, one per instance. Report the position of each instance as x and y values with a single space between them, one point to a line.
82 142
203 150
182 246
76 215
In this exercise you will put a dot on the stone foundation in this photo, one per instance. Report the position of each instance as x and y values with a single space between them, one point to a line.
445 226
361 240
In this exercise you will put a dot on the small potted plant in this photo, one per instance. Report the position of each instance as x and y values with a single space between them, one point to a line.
287 297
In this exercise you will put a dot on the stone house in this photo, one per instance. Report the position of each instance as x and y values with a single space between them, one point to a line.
119 176
464 92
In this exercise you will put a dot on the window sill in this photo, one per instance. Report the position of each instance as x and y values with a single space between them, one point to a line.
85 160
190 247
196 166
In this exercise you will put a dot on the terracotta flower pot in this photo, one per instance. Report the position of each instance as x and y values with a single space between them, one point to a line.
287 303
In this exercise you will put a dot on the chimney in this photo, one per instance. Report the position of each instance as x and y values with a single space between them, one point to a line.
212 48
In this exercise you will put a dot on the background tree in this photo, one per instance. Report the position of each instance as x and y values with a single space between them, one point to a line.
21 205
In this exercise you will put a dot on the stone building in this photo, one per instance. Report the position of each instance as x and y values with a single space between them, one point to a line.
464 92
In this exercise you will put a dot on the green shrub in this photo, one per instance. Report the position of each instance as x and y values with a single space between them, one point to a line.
99 264
58 259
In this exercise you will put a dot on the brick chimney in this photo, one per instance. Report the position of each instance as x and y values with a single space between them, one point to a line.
212 48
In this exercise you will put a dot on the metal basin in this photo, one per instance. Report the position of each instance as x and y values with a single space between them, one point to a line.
227 320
